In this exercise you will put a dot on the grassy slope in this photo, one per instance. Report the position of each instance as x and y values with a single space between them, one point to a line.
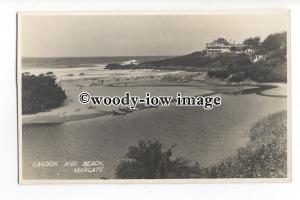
264 157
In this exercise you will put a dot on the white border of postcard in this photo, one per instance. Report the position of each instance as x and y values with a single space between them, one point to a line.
157 181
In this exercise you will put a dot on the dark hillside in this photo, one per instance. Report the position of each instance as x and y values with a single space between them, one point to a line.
199 60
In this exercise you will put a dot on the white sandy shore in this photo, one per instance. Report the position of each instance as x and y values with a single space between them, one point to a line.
280 90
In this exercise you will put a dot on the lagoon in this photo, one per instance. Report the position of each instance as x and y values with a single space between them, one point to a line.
203 136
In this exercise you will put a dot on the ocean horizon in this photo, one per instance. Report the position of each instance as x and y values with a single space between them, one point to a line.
72 62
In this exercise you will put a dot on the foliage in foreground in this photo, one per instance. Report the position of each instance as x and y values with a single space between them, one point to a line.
149 161
40 93
264 157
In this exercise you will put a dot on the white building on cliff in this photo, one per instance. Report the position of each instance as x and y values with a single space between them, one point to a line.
217 48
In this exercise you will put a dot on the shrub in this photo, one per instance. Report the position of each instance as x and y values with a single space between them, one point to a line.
40 93
149 161
274 42
223 74
272 70
238 77
252 42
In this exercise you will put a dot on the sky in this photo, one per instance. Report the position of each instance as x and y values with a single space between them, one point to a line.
138 35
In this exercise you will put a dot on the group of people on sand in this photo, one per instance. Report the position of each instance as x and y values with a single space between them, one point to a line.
100 83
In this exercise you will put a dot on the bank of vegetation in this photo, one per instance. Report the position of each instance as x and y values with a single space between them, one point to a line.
265 156
41 93
272 68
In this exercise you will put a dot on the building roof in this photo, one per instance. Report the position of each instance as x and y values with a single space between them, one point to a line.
239 45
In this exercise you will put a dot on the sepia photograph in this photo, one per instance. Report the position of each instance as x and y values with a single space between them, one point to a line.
154 96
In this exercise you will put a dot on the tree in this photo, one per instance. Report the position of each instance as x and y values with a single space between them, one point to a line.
252 42
274 42
50 74
40 93
222 41
149 161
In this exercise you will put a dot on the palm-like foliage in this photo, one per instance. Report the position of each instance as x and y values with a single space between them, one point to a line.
149 161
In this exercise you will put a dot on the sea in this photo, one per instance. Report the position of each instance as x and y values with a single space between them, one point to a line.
72 67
